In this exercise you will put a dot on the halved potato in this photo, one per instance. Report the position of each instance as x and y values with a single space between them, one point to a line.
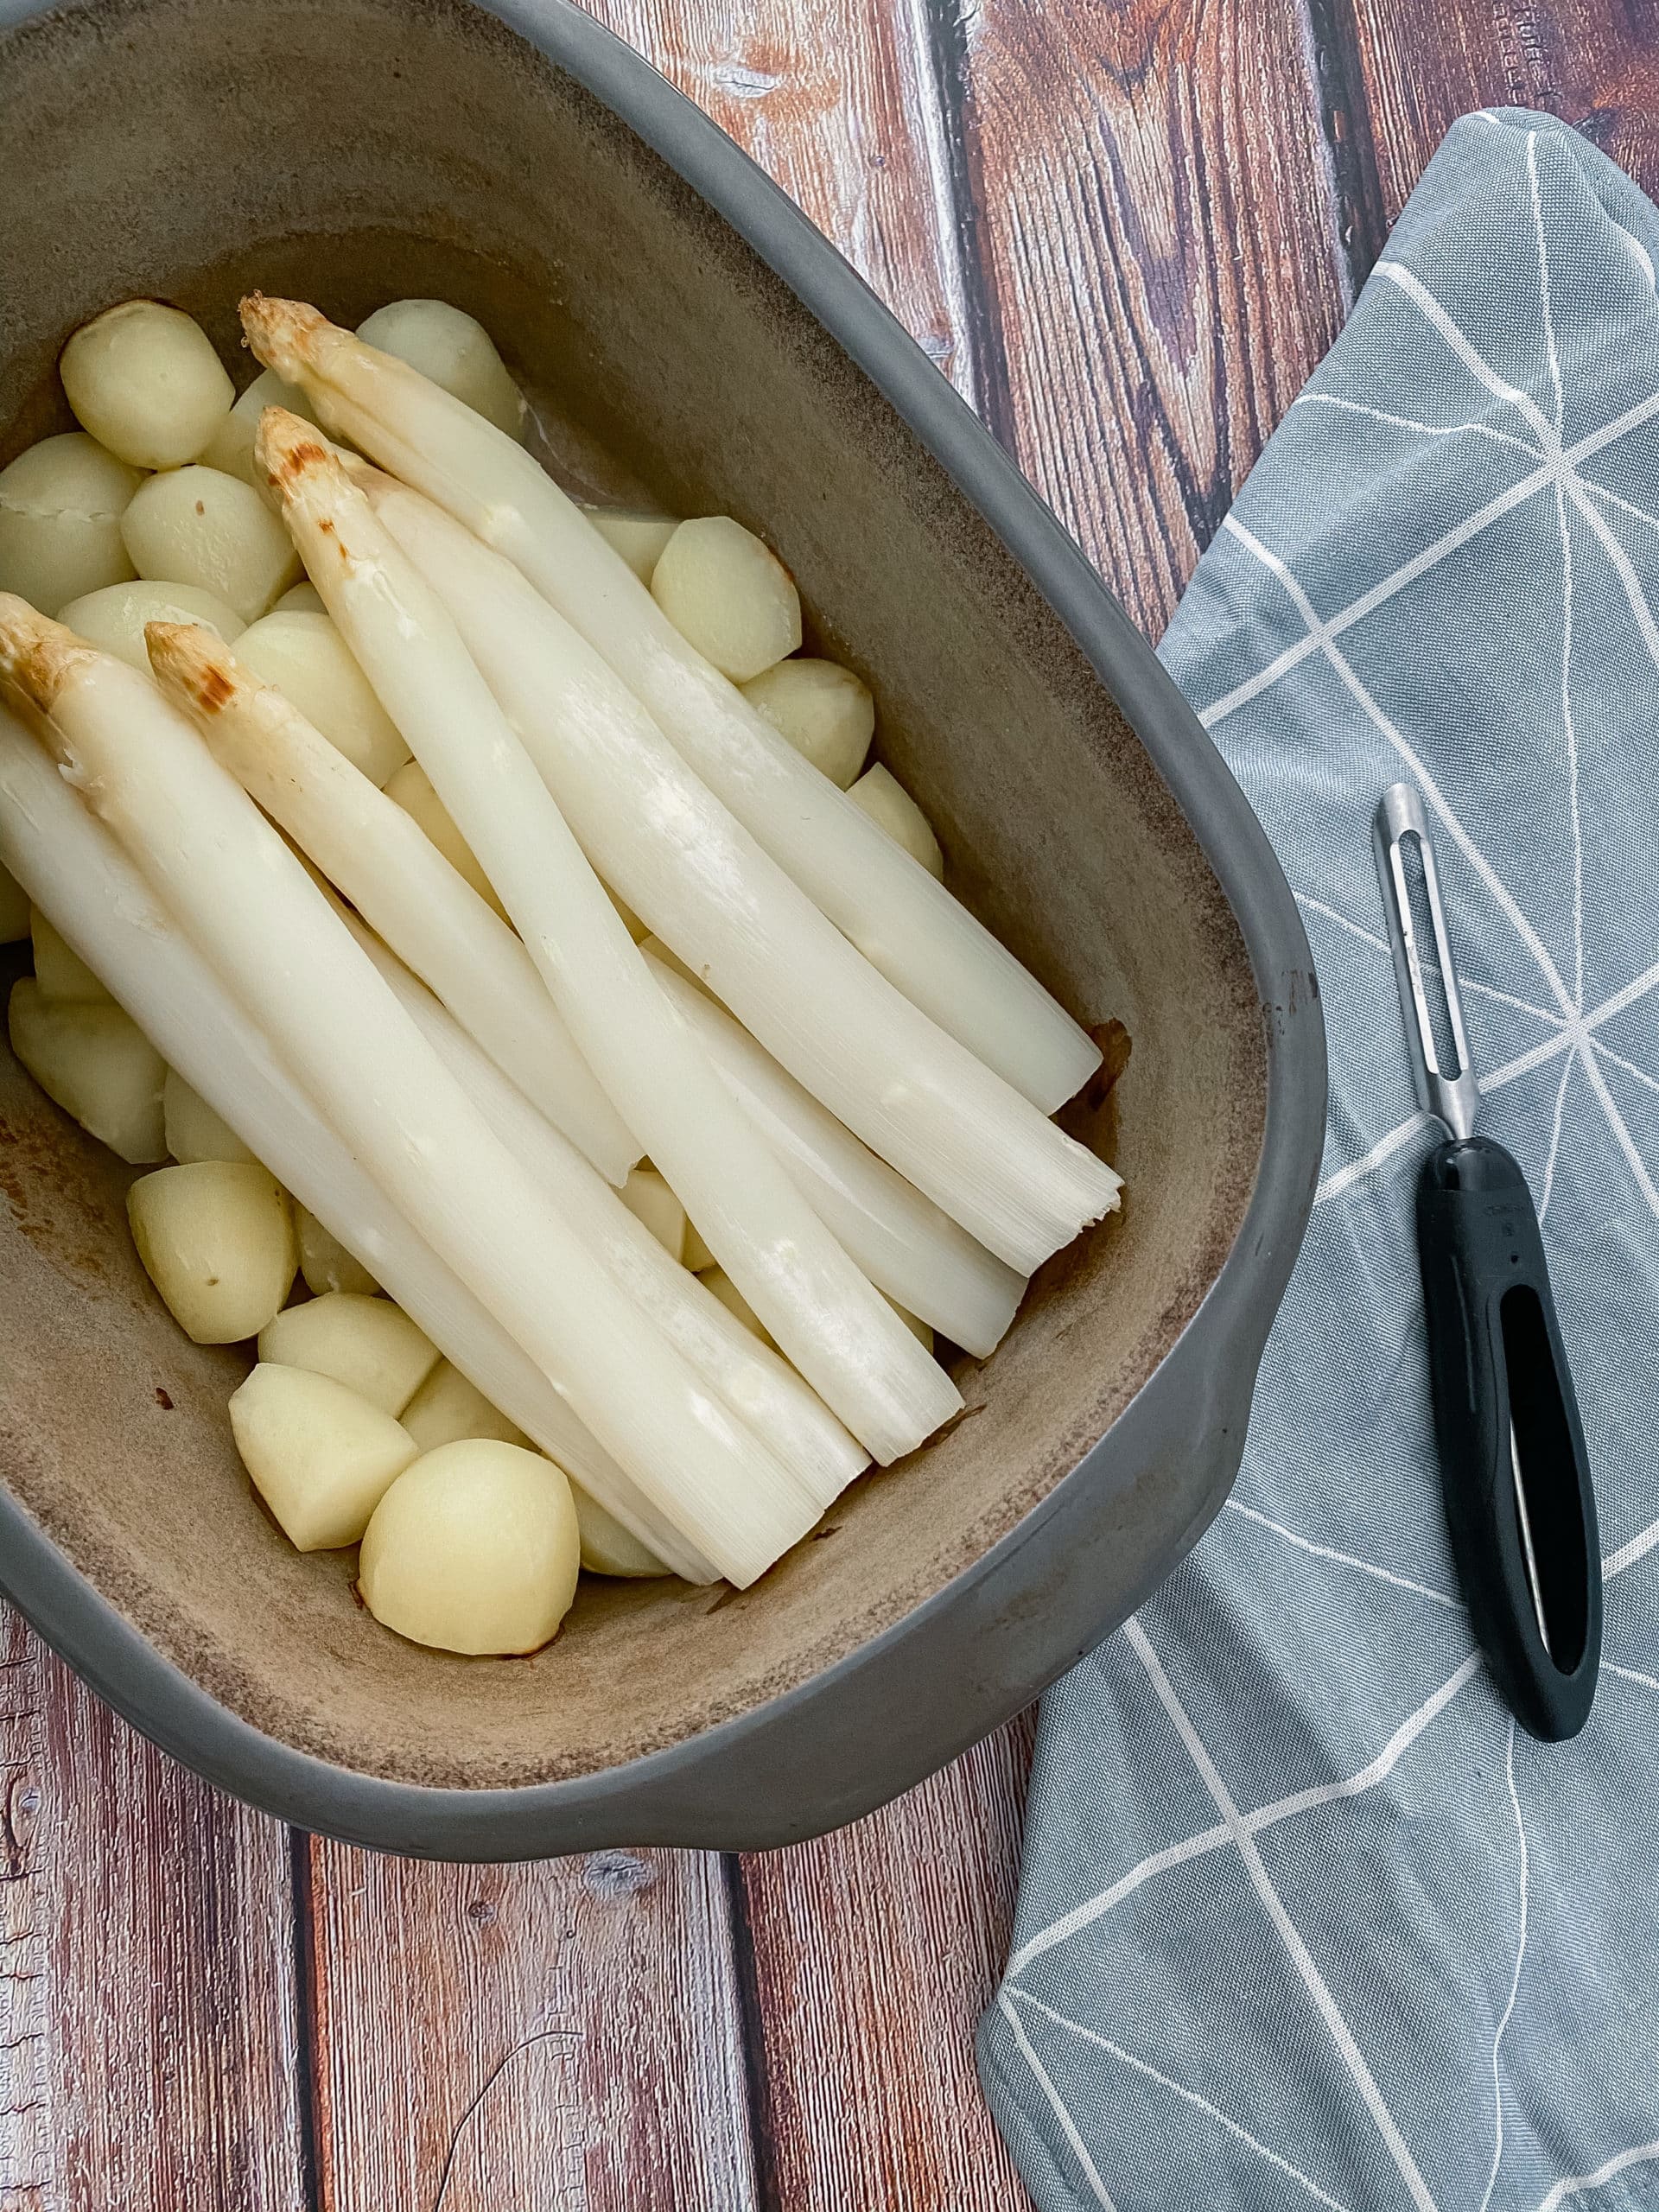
217 1240
310 664
114 619
607 1547
325 1263
886 802
194 1131
64 978
231 447
96 1065
474 1548
729 595
199 526
826 713
455 350
448 1409
367 1343
61 502
322 1458
144 379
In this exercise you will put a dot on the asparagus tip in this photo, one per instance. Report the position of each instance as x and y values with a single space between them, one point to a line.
189 660
282 333
36 654
288 449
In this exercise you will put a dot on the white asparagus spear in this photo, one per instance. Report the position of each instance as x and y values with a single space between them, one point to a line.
921 1258
827 1318
758 1386
976 1145
78 875
245 899
907 924
397 879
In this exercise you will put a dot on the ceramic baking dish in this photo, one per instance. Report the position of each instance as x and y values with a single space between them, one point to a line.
699 342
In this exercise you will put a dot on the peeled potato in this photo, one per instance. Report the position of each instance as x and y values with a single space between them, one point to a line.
649 1199
63 976
114 619
195 1132
14 909
144 379
199 526
325 1263
454 351
60 508
231 447
321 1457
888 804
640 539
304 598
695 1254
311 665
474 1548
412 789
448 1409
607 1547
217 1240
367 1343
731 1299
826 713
728 595
96 1065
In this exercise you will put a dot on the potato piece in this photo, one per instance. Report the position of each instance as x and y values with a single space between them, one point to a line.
731 1299
311 665
114 619
695 1254
367 1343
64 978
325 1263
886 802
607 1547
322 1458
640 539
454 351
60 508
826 713
304 598
231 447
144 379
96 1065
474 1548
199 526
648 1197
14 909
728 595
217 1240
448 1409
412 789
195 1132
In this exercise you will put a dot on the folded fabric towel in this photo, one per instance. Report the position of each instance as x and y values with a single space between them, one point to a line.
1304 1919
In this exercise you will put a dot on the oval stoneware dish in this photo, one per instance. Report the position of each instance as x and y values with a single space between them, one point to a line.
697 342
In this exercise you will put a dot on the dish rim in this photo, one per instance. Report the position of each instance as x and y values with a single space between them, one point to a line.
664 1798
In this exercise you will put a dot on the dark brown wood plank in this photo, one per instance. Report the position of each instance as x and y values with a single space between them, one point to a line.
1421 66
836 100
560 2037
874 1951
148 2023
1154 203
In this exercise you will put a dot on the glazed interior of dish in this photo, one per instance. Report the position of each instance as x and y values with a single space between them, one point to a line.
448 159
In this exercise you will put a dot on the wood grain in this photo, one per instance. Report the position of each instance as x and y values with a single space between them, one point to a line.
836 100
1417 69
874 1951
1155 207
147 2024
560 2037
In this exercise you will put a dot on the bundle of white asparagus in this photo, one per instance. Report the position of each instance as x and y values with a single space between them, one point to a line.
411 1000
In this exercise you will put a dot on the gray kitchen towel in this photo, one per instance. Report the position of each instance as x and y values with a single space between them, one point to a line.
1304 1920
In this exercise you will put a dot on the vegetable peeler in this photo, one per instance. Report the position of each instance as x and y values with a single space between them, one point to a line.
1519 1504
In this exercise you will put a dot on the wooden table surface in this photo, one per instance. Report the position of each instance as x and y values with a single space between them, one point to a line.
1127 229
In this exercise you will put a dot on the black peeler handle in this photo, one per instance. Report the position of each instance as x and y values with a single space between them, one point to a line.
1507 1421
